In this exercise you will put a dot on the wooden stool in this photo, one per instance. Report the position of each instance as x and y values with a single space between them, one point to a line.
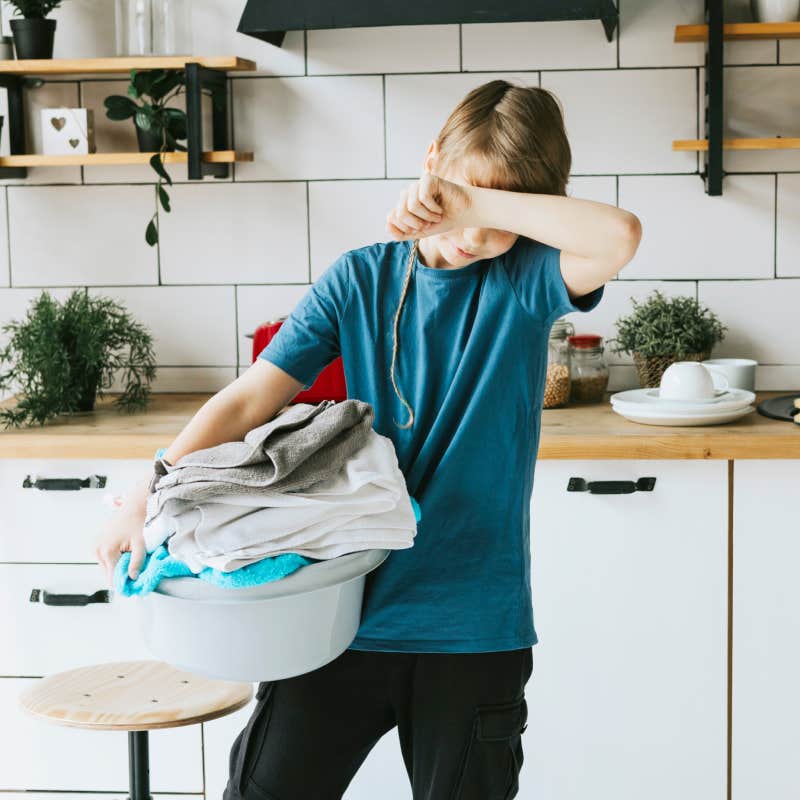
133 696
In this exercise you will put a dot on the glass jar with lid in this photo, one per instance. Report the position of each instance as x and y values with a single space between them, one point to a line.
556 388
588 369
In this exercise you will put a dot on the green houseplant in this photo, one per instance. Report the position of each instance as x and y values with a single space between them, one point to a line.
62 355
662 330
34 35
159 127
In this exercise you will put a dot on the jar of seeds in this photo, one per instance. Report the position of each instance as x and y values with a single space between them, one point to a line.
588 369
556 387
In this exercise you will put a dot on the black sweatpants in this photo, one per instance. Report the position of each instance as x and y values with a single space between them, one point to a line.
459 716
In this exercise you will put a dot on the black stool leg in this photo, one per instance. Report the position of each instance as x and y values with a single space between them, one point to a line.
139 766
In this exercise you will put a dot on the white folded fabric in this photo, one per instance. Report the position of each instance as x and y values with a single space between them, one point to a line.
362 506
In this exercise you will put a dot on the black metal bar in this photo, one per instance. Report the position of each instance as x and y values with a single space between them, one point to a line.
713 97
194 121
139 766
197 78
16 124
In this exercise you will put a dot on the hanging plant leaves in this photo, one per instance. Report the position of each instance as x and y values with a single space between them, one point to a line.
163 197
155 163
119 107
151 234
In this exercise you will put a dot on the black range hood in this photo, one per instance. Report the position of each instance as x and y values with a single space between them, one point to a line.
269 20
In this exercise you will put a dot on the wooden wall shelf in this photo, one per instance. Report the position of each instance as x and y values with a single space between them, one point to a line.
740 31
714 33
201 72
775 143
120 64
115 159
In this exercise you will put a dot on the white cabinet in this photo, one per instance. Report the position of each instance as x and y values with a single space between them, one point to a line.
47 545
50 638
56 525
766 629
628 693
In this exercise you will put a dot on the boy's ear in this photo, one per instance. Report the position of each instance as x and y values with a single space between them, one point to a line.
429 163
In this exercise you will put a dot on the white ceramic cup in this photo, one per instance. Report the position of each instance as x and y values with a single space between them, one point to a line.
740 372
689 380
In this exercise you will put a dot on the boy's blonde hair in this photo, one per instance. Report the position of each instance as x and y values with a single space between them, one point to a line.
518 136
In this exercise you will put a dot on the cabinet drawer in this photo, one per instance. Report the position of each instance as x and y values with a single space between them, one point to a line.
766 629
52 525
628 693
45 638
42 755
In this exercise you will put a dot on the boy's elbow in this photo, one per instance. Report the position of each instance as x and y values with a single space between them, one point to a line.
630 238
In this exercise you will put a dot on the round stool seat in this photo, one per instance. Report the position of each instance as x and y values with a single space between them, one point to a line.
133 696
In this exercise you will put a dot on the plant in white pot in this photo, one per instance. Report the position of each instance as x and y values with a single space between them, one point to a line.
34 34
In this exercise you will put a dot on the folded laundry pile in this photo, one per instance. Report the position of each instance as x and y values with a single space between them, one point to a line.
315 482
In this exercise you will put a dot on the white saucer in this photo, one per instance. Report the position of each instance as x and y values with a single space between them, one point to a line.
688 418
642 399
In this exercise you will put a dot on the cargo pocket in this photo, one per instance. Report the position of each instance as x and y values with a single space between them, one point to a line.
252 737
493 755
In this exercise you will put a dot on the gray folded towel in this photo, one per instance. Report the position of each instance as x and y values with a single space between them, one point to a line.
300 446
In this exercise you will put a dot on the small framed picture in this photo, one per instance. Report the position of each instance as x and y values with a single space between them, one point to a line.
67 130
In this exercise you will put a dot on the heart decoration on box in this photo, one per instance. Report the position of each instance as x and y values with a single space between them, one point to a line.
67 131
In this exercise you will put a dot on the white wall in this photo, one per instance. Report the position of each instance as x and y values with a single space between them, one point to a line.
339 121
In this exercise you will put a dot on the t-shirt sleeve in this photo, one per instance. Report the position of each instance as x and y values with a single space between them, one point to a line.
308 340
535 273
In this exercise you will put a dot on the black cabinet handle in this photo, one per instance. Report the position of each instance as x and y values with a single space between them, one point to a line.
64 484
50 599
611 487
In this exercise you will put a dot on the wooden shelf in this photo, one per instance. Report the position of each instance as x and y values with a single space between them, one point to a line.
120 64
777 143
740 31
107 159
201 73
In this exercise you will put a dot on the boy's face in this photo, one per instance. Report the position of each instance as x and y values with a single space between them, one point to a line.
459 247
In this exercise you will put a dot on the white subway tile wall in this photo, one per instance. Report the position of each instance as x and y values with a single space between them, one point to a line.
339 122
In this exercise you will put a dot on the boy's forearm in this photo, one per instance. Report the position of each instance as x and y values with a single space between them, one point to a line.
583 227
220 419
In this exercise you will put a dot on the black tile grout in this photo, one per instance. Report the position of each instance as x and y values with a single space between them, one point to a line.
236 319
308 228
268 285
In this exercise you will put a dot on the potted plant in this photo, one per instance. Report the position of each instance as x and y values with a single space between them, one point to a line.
158 126
662 330
63 355
33 34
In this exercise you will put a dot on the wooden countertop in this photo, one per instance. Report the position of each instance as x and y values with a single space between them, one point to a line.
588 431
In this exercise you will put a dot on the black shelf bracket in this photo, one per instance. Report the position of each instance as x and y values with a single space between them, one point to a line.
197 78
713 111
16 124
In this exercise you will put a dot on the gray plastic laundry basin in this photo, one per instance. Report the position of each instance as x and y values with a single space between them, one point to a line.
276 630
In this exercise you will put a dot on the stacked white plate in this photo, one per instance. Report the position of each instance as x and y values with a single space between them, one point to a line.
645 406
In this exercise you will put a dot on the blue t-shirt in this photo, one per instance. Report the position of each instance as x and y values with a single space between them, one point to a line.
471 361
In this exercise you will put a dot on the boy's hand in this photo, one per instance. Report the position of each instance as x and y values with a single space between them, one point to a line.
428 206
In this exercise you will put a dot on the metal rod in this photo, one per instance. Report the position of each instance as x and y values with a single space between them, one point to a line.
139 766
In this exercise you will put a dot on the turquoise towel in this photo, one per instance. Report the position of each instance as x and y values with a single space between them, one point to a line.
160 564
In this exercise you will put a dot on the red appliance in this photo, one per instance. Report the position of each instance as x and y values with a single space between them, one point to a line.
330 383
